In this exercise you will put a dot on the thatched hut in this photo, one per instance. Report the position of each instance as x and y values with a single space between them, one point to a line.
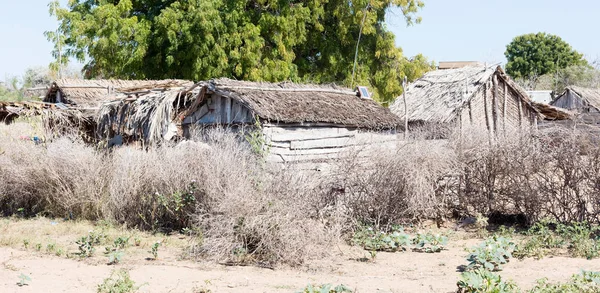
297 122
83 93
473 96
580 99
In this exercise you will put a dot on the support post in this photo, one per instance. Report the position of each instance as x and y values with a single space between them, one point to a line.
404 83
504 108
486 107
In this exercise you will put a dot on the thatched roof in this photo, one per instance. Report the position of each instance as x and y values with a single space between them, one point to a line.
553 113
151 115
298 103
56 120
438 95
91 93
592 96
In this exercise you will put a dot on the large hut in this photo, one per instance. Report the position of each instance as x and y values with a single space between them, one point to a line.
297 122
473 96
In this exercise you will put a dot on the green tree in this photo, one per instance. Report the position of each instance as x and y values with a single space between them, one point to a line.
259 40
532 55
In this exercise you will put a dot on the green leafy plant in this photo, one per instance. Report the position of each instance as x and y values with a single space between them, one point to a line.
115 257
154 249
38 246
582 239
539 242
121 242
26 243
484 281
373 240
257 141
585 282
118 282
326 288
23 280
491 254
430 243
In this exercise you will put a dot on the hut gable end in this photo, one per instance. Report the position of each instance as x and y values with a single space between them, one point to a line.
579 99
477 96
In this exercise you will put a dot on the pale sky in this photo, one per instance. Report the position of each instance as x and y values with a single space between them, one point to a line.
477 30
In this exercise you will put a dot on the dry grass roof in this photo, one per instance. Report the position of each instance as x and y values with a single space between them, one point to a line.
591 95
91 93
298 103
553 113
438 95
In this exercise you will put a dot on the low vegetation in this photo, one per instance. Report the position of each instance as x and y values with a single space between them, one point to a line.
118 282
238 209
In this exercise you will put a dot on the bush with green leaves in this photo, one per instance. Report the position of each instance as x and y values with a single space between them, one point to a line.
540 240
585 282
491 254
326 288
582 238
484 281
118 282
429 242
86 243
373 240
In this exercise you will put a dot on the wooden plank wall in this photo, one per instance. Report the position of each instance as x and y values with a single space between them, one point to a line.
220 110
303 144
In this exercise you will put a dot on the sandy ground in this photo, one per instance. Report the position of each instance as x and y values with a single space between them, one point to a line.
391 272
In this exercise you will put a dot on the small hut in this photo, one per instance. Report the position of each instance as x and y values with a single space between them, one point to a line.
90 94
472 96
297 122
580 99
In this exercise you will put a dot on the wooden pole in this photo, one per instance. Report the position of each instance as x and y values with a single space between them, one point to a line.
495 102
504 108
487 115
404 82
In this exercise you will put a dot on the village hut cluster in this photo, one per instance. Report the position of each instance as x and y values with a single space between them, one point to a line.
297 122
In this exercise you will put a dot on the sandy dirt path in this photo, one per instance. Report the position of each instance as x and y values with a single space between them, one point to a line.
391 272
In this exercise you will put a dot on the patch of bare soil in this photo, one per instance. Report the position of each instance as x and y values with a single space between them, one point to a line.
390 272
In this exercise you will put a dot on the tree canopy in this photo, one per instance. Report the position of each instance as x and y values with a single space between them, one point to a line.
533 55
257 40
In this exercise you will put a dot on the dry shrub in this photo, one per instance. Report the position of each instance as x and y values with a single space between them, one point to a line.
217 187
413 183
538 175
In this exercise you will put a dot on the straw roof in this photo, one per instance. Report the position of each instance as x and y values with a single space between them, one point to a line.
91 93
438 95
299 103
553 113
592 96
150 115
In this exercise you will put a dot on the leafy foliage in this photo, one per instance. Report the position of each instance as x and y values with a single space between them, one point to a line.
533 55
585 282
397 240
86 243
373 240
310 40
484 281
430 243
118 282
491 254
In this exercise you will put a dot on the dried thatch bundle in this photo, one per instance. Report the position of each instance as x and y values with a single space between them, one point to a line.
147 117
56 121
